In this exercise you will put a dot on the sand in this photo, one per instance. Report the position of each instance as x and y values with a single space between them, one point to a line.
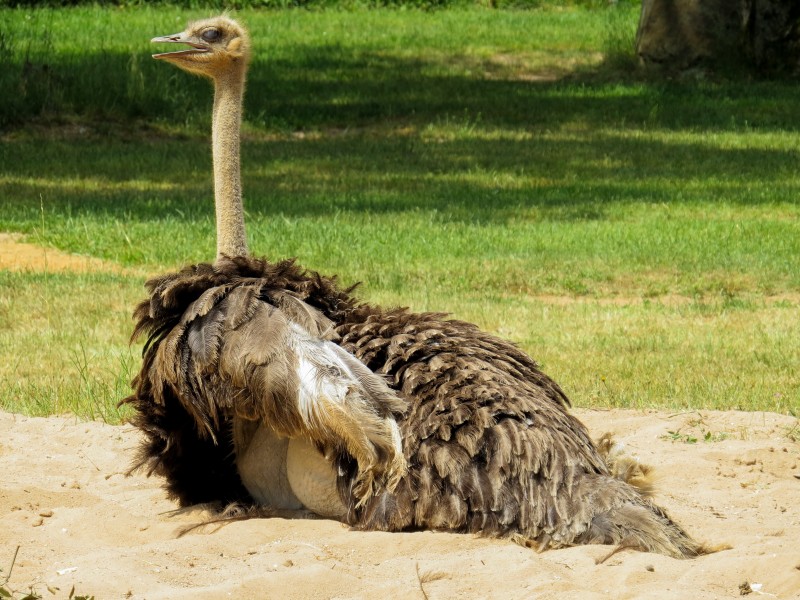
80 522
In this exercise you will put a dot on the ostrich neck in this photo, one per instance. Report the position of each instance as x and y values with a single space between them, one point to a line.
225 131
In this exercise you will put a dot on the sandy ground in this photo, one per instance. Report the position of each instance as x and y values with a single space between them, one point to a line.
79 521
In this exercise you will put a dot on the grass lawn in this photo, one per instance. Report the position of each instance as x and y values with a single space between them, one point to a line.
639 237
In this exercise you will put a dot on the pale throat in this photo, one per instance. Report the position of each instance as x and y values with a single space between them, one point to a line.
225 131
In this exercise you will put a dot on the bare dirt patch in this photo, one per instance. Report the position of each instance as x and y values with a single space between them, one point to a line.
16 255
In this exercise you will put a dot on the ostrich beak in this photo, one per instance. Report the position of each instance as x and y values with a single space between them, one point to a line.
179 38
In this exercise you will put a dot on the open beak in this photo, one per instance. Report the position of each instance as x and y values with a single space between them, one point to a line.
179 38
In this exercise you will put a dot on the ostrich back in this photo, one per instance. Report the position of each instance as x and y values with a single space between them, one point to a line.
490 445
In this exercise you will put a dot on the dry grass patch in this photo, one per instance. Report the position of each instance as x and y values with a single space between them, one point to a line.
17 255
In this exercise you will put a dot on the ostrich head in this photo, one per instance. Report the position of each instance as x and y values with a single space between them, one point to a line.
218 46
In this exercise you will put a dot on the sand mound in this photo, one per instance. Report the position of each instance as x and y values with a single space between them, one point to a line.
78 521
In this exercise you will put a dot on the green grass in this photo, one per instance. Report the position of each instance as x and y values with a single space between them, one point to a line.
639 238
63 339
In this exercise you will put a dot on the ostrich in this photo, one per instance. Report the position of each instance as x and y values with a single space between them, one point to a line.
408 421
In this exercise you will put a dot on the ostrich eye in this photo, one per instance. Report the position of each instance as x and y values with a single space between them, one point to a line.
211 35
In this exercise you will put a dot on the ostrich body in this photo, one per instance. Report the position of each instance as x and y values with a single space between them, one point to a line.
469 435
249 352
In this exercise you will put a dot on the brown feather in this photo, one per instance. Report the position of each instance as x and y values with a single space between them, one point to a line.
490 444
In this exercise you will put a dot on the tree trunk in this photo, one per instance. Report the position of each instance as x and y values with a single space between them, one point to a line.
759 34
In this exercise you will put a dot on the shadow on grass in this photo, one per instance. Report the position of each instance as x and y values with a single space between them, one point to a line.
328 86
331 86
560 149
471 179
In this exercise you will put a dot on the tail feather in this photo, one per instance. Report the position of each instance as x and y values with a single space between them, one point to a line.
625 467
637 522
642 526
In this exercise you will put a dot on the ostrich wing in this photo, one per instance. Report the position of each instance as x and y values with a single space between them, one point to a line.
236 351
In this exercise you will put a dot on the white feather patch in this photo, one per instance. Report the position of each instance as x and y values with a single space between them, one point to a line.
324 377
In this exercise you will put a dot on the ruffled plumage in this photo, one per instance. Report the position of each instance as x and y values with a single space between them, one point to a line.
490 445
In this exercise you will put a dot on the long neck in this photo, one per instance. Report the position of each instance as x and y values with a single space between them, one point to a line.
225 130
